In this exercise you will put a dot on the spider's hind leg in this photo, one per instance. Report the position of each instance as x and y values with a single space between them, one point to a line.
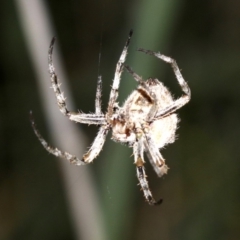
138 149
154 156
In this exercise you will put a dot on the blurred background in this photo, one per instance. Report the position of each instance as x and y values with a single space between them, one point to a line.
42 197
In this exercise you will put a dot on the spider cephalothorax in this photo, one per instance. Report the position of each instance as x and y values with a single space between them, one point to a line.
146 122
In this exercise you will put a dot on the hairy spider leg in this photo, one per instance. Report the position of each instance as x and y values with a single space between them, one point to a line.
183 84
55 151
138 149
97 144
97 118
154 155
61 100
88 157
117 77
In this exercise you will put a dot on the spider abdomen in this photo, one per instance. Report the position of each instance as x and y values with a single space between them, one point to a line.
163 130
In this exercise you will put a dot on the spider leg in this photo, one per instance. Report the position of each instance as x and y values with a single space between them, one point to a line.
139 161
61 100
65 155
183 84
88 118
117 77
135 75
153 163
171 108
55 151
154 156
98 108
97 145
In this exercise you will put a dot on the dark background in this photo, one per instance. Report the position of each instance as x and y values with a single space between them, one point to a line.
201 191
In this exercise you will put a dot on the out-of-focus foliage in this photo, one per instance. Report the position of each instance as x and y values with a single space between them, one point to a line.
201 192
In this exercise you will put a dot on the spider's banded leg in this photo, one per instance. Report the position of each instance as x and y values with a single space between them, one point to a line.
97 145
55 83
138 160
141 82
55 151
145 87
78 117
117 77
155 156
88 118
98 102
135 75
183 84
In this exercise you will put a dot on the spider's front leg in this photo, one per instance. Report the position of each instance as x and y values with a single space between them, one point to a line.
183 84
87 158
96 119
138 149
117 78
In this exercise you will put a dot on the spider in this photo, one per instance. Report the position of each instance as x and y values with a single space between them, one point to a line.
146 122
